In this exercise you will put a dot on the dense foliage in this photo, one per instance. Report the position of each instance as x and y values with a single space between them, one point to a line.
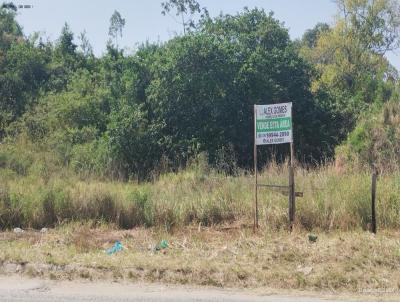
127 115
376 140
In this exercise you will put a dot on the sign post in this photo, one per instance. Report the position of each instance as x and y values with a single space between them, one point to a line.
373 199
255 172
273 125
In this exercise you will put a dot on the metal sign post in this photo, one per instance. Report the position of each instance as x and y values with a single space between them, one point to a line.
273 125
373 201
292 190
255 172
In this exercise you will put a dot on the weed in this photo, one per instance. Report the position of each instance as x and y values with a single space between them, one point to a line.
332 200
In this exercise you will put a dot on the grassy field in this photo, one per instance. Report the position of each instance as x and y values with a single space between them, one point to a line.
333 199
356 262
206 218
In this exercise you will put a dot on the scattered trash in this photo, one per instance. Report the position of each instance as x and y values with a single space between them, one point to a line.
115 249
306 270
161 246
312 237
44 230
18 230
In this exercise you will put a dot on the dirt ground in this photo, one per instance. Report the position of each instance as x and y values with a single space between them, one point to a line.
22 289
337 262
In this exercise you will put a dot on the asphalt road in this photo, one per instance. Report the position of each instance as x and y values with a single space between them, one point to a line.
16 289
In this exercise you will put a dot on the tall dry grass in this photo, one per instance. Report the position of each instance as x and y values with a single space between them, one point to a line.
332 199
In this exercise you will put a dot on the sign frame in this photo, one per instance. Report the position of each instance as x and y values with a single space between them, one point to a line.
273 124
281 120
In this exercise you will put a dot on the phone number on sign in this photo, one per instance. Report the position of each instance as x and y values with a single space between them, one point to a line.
274 134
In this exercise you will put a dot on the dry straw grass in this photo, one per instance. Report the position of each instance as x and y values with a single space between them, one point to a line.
349 261
333 199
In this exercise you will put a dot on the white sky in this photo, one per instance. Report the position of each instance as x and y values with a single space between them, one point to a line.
145 22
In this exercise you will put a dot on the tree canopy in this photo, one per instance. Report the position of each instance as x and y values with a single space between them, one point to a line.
127 115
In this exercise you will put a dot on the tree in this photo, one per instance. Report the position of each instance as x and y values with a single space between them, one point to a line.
9 5
204 86
375 141
351 69
133 142
71 123
65 60
23 72
311 36
66 43
376 23
186 10
10 30
194 93
85 45
117 24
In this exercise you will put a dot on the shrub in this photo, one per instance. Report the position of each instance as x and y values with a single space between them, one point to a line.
375 141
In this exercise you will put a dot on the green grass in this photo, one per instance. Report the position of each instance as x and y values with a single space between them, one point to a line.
333 199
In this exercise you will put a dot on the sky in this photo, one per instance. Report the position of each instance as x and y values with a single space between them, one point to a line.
145 22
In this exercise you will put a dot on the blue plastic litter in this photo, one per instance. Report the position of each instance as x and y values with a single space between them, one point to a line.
115 249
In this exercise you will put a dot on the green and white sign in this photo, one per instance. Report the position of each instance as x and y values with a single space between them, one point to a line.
273 124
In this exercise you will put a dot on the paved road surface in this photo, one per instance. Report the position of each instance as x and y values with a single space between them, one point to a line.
15 289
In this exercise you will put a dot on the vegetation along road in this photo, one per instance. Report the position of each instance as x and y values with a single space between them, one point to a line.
146 164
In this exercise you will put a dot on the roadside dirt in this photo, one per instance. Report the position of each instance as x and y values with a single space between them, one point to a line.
350 262
17 289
